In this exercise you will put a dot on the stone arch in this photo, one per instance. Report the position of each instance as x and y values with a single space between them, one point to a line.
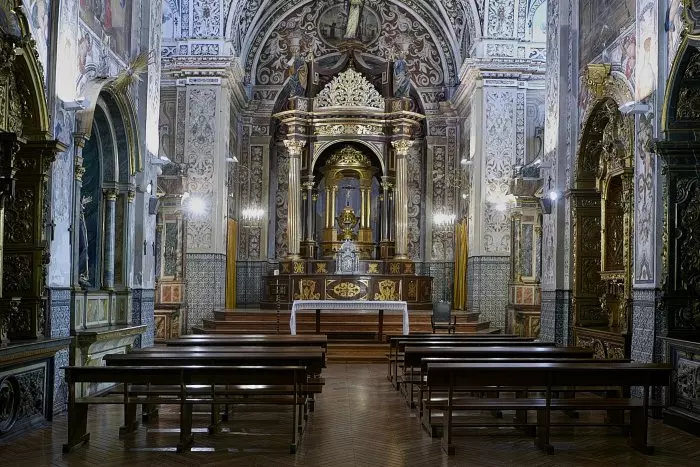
118 103
680 116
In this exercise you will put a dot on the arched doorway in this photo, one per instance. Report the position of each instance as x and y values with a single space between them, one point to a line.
602 215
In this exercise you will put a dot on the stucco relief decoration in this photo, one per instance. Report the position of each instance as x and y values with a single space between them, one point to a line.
350 89
206 18
382 24
501 18
500 118
281 199
200 144
415 196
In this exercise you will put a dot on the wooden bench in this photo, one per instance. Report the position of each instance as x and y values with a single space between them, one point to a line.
267 340
430 403
450 376
394 356
288 379
413 355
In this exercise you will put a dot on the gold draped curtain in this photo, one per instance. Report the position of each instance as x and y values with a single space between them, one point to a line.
461 254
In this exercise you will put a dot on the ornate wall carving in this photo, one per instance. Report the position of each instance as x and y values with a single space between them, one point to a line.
281 199
200 149
425 60
416 193
206 18
499 140
501 18
350 88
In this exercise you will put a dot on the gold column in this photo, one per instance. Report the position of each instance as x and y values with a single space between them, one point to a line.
331 206
9 146
295 148
401 148
327 222
363 208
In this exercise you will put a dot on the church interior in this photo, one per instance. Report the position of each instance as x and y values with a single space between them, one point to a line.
349 232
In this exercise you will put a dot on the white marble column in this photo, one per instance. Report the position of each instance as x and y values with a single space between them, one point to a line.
401 148
110 230
295 148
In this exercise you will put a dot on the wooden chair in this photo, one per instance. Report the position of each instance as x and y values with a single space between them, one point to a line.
443 318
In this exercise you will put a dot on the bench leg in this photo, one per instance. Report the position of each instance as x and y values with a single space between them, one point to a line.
447 445
225 415
131 424
215 425
77 426
295 430
638 440
186 437
149 412
542 439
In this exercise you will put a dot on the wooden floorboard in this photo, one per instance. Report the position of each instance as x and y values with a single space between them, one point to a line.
360 421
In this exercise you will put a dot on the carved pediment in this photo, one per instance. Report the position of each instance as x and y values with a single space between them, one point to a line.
350 89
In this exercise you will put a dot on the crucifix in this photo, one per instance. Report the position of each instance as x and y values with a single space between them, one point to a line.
347 189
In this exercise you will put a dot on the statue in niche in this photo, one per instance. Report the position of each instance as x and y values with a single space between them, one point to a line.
354 14
402 84
83 260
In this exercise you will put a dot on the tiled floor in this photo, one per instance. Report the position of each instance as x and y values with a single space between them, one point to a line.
359 421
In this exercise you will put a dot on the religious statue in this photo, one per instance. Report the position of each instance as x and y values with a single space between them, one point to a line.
354 14
402 83
83 271
298 74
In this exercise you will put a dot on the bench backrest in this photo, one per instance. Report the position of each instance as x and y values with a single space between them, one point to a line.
199 348
393 341
413 355
401 346
169 375
496 360
265 341
548 374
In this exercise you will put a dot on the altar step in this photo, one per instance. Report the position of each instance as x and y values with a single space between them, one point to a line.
357 324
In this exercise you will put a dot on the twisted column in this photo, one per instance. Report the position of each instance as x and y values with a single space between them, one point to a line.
295 148
401 148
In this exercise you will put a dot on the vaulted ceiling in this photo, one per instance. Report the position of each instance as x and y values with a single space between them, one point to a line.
441 33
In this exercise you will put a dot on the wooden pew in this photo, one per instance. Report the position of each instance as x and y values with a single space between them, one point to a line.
426 405
268 340
402 343
394 356
183 377
451 376
413 354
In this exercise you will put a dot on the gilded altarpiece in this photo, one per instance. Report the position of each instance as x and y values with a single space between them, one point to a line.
601 222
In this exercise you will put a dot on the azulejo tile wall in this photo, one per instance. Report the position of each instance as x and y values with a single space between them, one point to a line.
555 322
206 286
487 293
646 324
143 309
59 306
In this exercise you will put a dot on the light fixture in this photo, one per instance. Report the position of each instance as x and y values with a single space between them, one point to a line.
464 196
553 195
232 159
149 187
444 220
81 103
251 217
501 207
197 205
537 161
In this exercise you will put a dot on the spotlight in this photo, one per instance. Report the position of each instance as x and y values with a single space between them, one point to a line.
149 187
553 195
197 205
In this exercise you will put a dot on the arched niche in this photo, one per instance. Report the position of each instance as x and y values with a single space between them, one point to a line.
105 194
601 220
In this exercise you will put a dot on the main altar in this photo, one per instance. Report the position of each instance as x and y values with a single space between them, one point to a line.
349 127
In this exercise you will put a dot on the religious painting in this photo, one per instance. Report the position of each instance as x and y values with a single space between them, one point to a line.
332 25
600 22
110 20
647 55
38 16
674 25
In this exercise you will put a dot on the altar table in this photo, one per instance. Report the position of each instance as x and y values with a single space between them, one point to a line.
319 305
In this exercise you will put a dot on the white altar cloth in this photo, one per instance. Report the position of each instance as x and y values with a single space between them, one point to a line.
347 305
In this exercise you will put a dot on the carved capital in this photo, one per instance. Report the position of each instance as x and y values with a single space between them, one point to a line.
79 172
402 146
294 146
131 194
80 138
111 195
308 186
598 77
